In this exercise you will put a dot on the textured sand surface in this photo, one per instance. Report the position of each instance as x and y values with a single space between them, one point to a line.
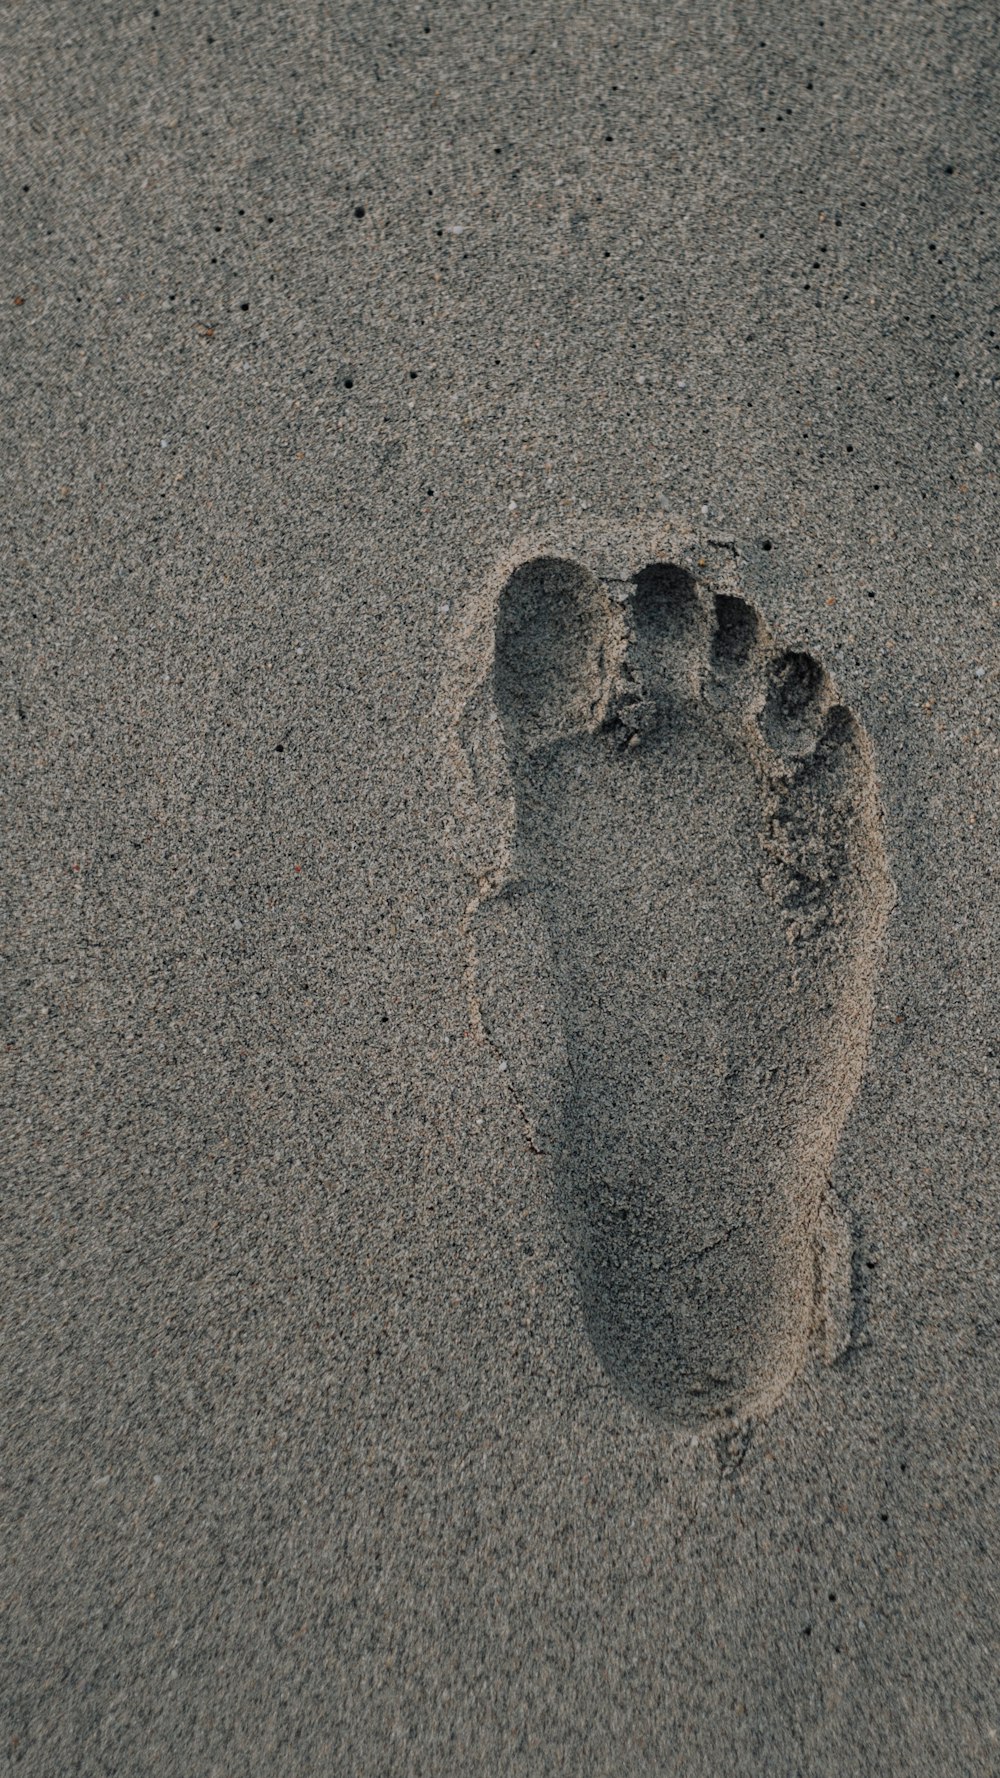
328 1444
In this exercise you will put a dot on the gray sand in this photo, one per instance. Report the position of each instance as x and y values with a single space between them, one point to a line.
501 1223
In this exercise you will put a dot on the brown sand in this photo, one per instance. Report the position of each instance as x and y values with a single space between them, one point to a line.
501 1223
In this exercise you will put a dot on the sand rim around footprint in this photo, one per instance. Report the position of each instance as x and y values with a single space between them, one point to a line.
680 896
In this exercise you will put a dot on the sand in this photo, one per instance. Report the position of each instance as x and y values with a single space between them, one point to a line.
500 1076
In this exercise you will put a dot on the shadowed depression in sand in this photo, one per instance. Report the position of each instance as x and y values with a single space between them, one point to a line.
686 900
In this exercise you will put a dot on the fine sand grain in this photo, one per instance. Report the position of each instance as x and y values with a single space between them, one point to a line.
500 564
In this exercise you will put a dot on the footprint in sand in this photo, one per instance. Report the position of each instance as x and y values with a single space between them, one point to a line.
675 833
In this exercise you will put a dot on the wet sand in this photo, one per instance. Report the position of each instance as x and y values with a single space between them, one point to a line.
352 1406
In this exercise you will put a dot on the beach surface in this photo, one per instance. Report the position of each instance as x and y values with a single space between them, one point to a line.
500 563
